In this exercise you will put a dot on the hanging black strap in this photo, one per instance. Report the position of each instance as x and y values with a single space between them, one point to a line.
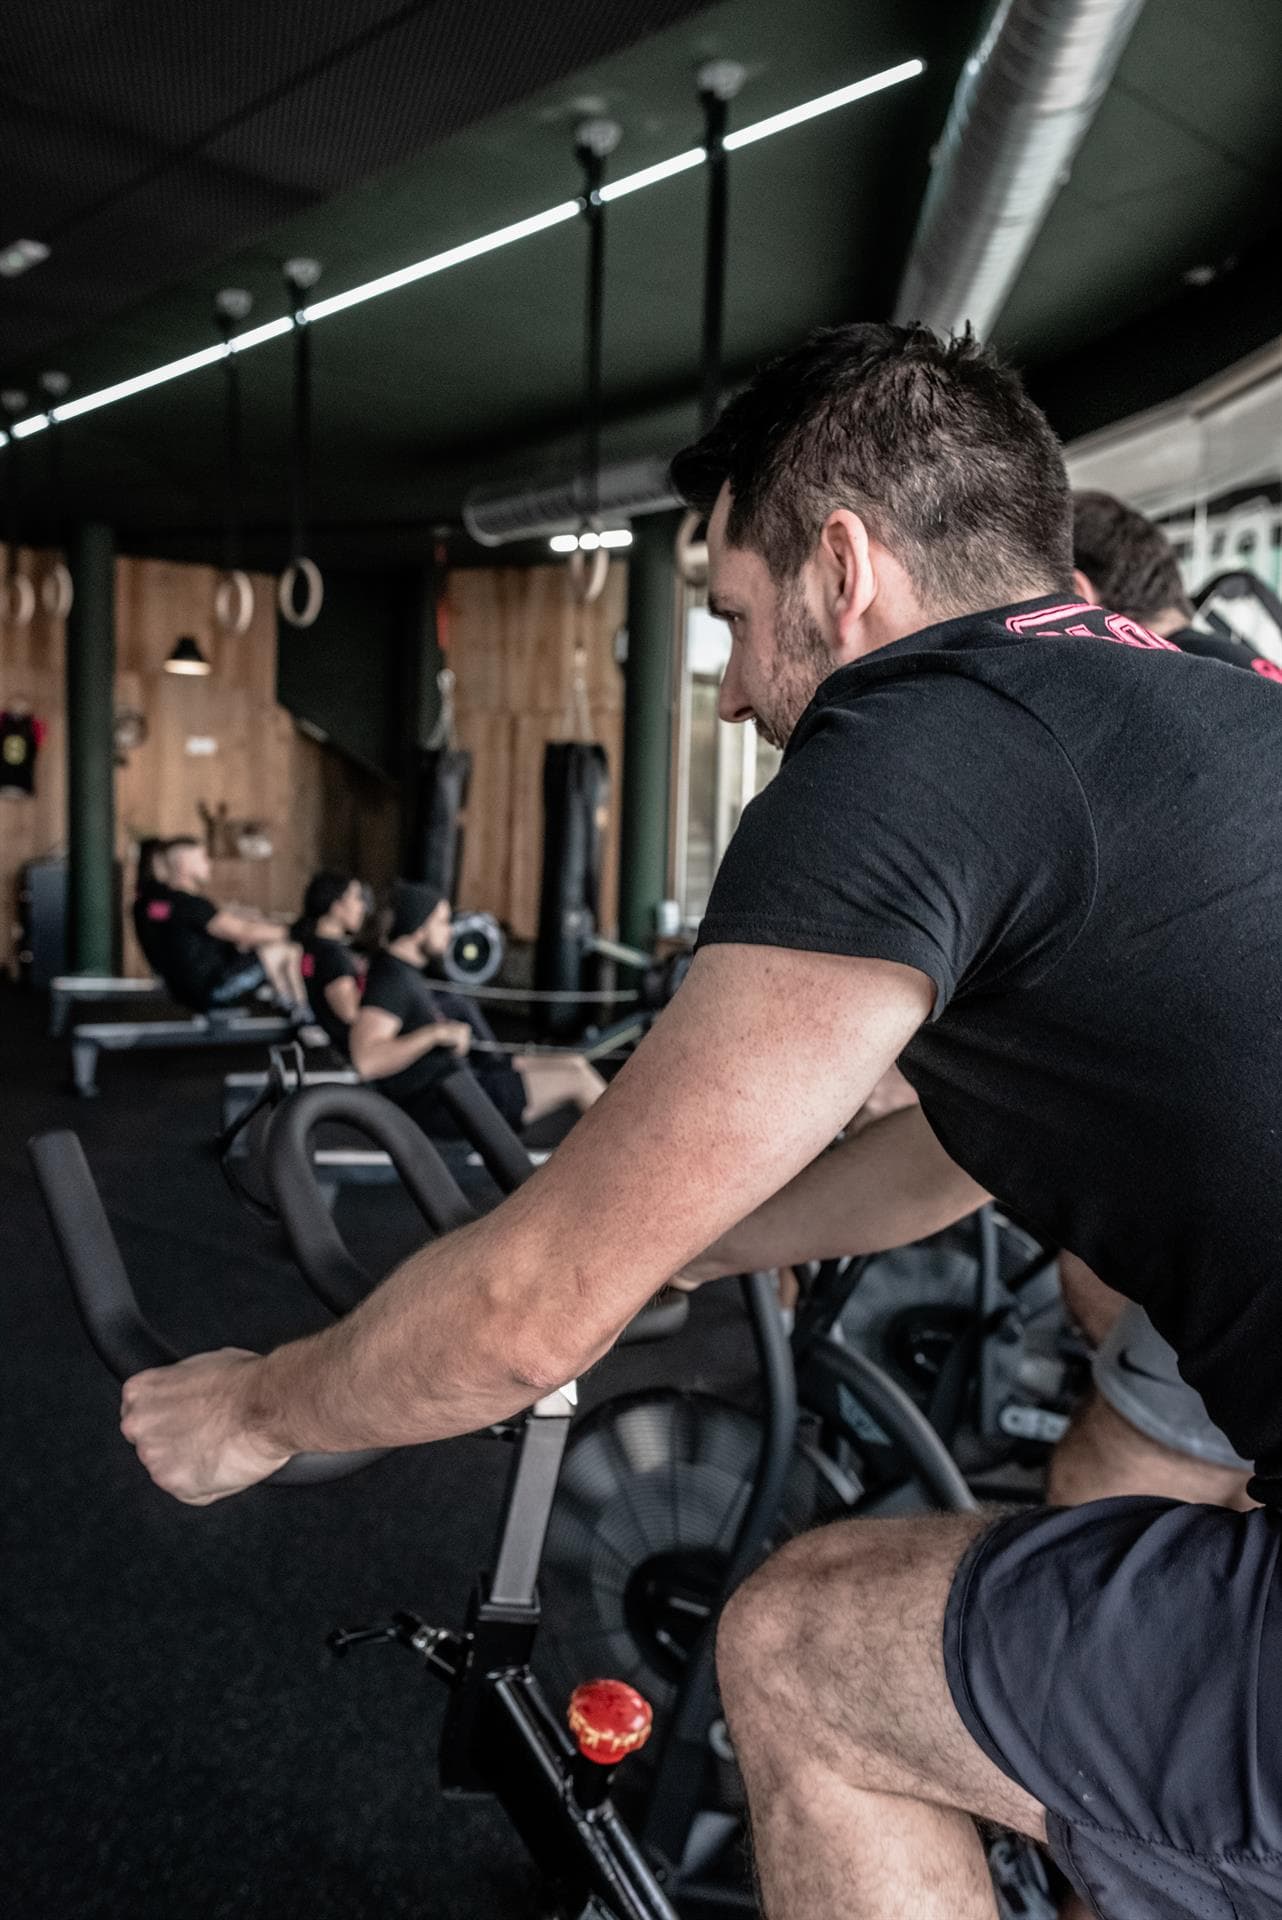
716 116
233 469
12 496
12 484
301 447
594 213
57 480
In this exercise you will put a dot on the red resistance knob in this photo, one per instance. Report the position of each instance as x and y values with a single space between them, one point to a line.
609 1720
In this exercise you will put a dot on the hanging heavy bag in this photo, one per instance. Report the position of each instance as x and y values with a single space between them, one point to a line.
436 852
576 795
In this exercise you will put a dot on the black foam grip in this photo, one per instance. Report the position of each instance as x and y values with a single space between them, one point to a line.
330 1269
117 1328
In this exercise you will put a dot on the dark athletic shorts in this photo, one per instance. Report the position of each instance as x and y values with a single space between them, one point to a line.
1122 1662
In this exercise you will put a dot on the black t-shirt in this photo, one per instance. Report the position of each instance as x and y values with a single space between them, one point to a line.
1214 646
1080 843
399 988
172 932
323 962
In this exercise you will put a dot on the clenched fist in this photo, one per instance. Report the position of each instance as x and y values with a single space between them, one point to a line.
187 1425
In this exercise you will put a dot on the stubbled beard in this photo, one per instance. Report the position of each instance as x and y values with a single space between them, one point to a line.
801 663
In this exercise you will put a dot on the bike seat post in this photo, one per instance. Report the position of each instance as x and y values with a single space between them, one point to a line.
503 1616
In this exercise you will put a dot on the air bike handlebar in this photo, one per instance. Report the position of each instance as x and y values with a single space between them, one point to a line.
118 1330
330 1269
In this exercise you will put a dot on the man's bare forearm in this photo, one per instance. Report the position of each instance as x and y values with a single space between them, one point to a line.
449 1344
884 1187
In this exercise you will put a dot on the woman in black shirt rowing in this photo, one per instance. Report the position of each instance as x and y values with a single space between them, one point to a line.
409 1032
335 908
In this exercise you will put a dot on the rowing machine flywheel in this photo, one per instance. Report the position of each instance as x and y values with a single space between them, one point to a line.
475 952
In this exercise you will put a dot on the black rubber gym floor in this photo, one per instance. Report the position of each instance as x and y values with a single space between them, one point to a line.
176 1739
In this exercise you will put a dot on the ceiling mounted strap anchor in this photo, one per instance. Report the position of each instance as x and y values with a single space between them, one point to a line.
301 276
234 590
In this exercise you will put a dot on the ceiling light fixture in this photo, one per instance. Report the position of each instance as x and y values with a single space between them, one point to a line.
588 542
20 255
469 250
187 657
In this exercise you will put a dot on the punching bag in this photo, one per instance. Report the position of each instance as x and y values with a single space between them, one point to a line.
436 846
576 797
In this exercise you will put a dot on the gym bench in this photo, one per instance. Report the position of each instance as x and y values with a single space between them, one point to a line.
201 1030
74 990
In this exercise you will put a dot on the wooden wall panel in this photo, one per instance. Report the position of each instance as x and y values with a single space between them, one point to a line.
317 808
513 634
487 838
165 784
31 670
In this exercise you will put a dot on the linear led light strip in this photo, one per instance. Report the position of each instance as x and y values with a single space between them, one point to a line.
469 250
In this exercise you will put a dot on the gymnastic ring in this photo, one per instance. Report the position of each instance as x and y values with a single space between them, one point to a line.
234 601
691 554
19 600
587 578
310 573
57 591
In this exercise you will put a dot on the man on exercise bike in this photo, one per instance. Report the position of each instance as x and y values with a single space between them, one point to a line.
999 851
1144 1429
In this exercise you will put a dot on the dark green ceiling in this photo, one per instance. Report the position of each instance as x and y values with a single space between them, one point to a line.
473 376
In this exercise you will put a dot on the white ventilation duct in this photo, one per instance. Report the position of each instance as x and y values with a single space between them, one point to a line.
624 490
1021 110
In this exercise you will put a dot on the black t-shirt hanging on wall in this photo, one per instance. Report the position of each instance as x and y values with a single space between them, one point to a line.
323 962
1080 843
401 989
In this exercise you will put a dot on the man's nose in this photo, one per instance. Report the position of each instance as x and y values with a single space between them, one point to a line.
732 705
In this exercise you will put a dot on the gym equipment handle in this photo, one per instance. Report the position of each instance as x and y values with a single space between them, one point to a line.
332 1272
118 1330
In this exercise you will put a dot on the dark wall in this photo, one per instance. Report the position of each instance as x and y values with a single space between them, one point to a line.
346 674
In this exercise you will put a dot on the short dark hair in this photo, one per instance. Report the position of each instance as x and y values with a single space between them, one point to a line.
1130 563
932 442
324 891
413 902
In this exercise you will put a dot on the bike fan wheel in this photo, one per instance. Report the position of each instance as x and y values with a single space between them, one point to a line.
653 1490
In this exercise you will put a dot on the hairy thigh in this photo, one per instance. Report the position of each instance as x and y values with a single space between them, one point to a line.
839 1642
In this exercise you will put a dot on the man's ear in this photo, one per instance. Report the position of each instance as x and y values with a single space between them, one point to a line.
847 575
1084 588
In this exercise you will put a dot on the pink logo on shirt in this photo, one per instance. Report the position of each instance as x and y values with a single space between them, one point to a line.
158 910
307 966
1050 622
